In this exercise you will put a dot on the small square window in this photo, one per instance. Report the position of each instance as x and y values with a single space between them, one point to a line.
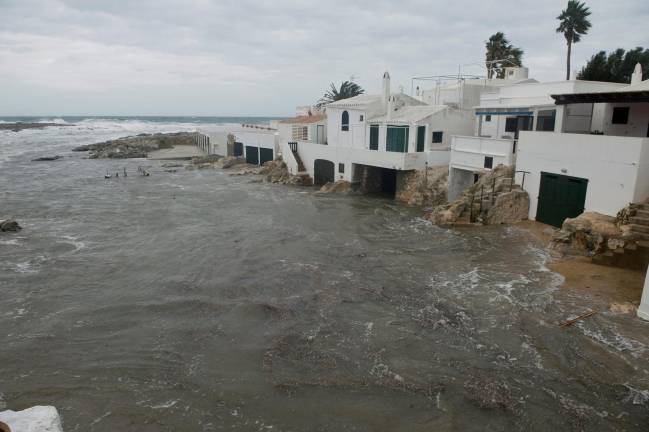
511 124
341 168
438 137
620 115
361 118
488 162
487 118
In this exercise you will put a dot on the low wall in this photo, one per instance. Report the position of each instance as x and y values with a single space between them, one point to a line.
617 168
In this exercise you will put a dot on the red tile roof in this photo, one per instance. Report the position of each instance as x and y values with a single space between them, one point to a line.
305 119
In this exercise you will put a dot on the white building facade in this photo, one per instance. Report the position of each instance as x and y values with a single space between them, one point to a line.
389 132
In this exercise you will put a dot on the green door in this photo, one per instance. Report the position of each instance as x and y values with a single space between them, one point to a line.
265 155
421 138
374 137
560 197
252 155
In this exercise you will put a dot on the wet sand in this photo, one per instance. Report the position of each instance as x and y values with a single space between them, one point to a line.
605 284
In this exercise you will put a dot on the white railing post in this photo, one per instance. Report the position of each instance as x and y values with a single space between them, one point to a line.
643 309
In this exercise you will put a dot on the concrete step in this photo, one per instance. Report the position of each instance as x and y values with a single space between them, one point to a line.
639 220
643 207
636 228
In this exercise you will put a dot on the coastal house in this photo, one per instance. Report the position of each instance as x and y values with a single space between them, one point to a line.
373 139
502 116
595 157
257 143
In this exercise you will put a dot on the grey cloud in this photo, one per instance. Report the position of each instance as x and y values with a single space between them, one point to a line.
263 57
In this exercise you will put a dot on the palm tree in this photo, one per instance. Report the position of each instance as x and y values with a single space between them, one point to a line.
573 23
347 89
501 53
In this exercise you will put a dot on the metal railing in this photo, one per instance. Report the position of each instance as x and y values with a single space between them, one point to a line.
293 146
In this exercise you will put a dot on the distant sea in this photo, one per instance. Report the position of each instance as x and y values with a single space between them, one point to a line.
152 119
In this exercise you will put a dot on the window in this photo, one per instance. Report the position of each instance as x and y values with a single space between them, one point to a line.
360 118
487 118
620 115
488 162
374 137
341 168
300 133
345 121
511 124
545 120
397 139
438 137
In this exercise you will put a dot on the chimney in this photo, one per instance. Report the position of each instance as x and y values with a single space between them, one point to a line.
386 90
637 74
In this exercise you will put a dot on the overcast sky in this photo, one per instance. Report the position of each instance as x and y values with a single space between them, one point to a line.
243 57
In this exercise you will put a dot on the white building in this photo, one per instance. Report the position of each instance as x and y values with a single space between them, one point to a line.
257 143
597 157
503 115
378 136
465 92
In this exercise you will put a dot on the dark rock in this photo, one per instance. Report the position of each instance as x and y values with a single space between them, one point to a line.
9 225
47 158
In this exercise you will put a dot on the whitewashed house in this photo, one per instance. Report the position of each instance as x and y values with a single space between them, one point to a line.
595 159
257 143
378 136
503 115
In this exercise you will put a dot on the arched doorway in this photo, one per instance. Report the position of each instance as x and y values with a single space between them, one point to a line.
323 172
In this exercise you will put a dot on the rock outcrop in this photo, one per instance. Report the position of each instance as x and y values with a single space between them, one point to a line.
34 419
9 225
424 187
493 199
586 234
47 158
276 171
510 207
136 146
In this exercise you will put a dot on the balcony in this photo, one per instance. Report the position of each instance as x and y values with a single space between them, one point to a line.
473 153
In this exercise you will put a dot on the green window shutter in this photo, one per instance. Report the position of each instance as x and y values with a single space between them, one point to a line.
374 137
421 138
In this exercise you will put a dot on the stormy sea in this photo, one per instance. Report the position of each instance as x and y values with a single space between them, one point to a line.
192 300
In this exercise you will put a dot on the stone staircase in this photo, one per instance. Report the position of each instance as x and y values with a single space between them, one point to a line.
485 197
635 253
302 177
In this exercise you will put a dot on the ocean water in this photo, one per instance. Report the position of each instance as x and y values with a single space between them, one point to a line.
200 301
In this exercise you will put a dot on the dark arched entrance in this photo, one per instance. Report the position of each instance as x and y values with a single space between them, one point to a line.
323 172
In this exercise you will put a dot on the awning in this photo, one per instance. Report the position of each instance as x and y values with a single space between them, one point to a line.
506 113
602 97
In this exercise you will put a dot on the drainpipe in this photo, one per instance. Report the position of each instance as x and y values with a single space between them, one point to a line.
643 309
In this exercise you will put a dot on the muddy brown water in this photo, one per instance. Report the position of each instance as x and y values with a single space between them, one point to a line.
198 301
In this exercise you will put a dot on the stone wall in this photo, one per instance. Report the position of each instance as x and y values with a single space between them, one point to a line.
424 187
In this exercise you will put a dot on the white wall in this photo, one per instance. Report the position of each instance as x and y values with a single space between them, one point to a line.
614 166
309 152
266 139
638 120
354 137
469 153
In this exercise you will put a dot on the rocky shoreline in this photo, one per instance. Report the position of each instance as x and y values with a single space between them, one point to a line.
17 127
136 146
